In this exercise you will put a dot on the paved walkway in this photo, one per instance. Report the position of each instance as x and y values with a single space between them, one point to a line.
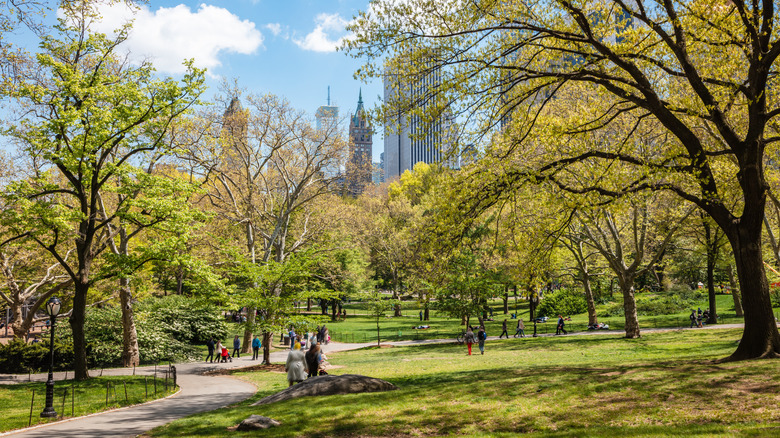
199 393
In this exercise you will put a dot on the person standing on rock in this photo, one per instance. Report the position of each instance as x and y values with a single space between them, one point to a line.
255 348
236 347
469 338
210 345
296 365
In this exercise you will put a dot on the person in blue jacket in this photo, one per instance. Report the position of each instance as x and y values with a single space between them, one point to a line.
255 348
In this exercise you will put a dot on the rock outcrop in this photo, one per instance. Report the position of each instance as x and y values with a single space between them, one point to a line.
255 422
330 385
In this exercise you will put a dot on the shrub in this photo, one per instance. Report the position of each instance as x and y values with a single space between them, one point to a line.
676 300
19 357
562 302
774 295
185 320
614 309
166 327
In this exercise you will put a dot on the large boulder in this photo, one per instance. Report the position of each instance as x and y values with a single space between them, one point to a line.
330 385
255 422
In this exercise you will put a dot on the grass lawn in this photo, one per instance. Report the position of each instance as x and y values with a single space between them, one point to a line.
361 328
664 384
89 397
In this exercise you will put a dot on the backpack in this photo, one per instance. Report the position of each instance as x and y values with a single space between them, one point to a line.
481 336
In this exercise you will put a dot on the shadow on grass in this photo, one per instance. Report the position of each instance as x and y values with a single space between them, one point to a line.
627 391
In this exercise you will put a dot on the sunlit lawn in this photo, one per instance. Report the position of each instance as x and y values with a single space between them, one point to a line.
664 384
360 328
90 396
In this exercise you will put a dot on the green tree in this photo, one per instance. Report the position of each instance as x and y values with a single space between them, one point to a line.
698 78
91 116
263 169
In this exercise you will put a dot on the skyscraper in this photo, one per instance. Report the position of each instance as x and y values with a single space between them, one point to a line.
327 123
408 138
327 115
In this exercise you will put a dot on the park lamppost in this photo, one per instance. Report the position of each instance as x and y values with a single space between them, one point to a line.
534 302
52 309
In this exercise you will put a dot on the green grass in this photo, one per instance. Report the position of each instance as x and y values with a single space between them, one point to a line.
89 397
663 384
361 328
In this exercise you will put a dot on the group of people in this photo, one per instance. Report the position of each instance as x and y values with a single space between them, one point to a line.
478 339
519 331
320 336
300 366
698 317
220 353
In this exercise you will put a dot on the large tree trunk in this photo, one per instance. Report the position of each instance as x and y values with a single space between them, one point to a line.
267 348
130 354
592 318
18 326
246 345
506 300
80 369
760 339
735 294
712 254
629 308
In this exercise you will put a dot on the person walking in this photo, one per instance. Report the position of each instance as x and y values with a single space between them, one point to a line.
421 315
693 318
210 345
236 347
255 348
481 338
503 328
469 338
560 327
296 365
219 351
520 328
292 337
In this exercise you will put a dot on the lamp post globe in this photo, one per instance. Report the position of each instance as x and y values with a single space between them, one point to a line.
52 309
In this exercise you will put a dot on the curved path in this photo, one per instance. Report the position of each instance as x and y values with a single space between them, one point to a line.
199 393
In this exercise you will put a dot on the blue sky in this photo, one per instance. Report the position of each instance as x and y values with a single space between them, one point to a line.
284 47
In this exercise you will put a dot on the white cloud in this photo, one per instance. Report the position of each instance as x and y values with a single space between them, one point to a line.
170 35
275 28
327 35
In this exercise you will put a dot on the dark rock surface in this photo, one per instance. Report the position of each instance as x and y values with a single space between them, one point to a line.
330 385
255 422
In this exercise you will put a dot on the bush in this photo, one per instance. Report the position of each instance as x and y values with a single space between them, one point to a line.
562 302
676 300
166 327
774 295
186 320
19 357
614 309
